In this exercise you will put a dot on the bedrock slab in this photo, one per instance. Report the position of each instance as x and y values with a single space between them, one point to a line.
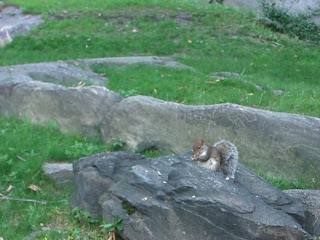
173 198
13 22
276 142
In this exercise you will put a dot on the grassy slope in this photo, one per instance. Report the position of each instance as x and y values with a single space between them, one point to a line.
206 37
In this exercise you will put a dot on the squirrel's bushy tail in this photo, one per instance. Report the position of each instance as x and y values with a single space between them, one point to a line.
229 157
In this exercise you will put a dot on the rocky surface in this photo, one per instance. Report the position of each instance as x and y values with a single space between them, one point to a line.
153 61
62 73
13 22
74 109
79 72
278 142
173 198
311 198
60 173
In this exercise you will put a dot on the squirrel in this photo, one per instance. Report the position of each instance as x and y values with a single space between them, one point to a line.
222 156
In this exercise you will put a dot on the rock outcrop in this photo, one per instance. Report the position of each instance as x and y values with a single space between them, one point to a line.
13 22
173 198
276 142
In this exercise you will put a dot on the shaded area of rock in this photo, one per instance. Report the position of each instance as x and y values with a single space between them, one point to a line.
13 22
75 109
60 173
279 142
62 73
311 198
173 198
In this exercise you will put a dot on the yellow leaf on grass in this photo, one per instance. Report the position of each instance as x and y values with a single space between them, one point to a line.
9 188
155 91
34 188
250 94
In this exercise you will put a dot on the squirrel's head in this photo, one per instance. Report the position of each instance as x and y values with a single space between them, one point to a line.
197 149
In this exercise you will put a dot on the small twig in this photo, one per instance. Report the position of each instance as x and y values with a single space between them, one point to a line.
21 158
21 199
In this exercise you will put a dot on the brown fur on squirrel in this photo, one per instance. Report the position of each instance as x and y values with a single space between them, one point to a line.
222 156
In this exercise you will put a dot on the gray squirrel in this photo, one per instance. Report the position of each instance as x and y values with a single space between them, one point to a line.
221 156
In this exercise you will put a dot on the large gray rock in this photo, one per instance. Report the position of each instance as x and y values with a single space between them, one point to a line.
79 72
62 73
13 22
59 173
75 109
173 198
277 142
153 61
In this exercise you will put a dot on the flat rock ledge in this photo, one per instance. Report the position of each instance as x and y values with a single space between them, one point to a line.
173 198
79 72
13 22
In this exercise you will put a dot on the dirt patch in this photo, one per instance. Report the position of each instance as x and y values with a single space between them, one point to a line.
122 18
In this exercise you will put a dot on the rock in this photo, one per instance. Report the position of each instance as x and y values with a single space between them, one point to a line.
279 142
13 22
173 198
60 173
311 198
78 72
153 61
74 109
62 73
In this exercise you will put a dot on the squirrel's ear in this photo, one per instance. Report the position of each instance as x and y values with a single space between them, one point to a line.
202 141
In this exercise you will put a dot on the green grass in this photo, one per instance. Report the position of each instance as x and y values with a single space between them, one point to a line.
23 150
208 38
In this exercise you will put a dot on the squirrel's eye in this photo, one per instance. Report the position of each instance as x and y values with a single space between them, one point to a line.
199 147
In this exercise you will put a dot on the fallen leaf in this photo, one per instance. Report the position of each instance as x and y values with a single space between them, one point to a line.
183 101
9 188
189 41
155 91
34 188
251 63
180 87
250 94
